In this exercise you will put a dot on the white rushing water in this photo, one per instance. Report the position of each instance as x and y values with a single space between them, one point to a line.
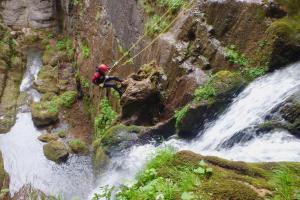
248 109
23 152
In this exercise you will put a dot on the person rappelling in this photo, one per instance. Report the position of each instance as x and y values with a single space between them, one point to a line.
101 79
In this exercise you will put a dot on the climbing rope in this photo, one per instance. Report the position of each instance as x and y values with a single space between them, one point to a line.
152 42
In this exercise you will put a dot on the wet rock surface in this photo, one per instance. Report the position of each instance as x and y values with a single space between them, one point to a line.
29 13
11 72
44 113
4 181
49 137
56 151
285 116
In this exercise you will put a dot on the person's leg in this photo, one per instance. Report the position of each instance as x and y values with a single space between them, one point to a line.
114 86
113 78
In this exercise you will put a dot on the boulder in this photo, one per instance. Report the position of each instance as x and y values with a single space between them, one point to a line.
120 137
47 80
141 96
78 146
56 151
49 137
44 113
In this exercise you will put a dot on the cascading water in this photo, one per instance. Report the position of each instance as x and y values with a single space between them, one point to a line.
247 110
23 152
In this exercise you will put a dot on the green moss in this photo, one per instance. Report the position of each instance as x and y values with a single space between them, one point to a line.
55 151
67 99
110 136
62 134
229 189
288 28
78 146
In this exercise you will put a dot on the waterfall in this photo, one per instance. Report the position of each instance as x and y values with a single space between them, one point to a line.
23 155
248 109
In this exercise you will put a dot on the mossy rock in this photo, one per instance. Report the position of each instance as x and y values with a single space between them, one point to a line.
3 174
56 151
78 146
294 128
48 137
269 126
49 96
62 134
99 158
44 113
120 133
67 99
225 81
47 80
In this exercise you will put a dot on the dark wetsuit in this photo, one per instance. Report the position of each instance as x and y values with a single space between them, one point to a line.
100 78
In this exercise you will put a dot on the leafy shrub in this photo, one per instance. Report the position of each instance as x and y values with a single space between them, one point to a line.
65 45
85 51
206 92
234 57
67 99
161 180
180 114
155 25
105 118
254 72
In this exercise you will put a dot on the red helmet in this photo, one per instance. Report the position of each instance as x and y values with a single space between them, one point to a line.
103 68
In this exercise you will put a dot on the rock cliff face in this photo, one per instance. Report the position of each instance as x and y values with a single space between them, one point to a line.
29 13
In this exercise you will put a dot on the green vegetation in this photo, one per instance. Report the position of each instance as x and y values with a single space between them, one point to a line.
75 2
85 51
62 134
206 92
65 45
3 193
161 14
155 25
83 82
78 146
288 27
173 5
186 175
180 114
161 180
67 99
105 118
284 183
234 57
250 73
